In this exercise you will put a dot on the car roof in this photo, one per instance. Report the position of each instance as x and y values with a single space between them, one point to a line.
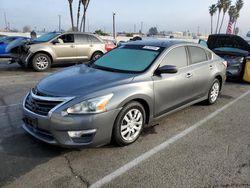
157 43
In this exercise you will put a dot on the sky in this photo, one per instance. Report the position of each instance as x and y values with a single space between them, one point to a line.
166 15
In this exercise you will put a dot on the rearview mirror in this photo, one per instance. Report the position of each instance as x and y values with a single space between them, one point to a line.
167 69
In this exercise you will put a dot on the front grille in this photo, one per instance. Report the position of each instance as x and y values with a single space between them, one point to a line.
40 107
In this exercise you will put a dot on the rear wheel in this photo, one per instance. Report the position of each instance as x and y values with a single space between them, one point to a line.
41 62
96 55
213 92
129 124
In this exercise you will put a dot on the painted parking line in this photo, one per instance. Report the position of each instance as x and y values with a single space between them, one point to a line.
108 178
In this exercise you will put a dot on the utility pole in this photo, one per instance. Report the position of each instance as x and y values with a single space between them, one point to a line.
134 28
114 32
141 27
59 16
5 19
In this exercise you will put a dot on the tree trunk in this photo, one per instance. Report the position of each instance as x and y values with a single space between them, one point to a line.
71 16
235 23
211 24
78 15
222 22
218 20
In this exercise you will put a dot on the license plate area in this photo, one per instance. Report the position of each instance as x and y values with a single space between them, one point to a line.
32 122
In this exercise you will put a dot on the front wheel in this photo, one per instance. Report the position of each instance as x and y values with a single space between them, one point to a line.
213 92
129 124
41 62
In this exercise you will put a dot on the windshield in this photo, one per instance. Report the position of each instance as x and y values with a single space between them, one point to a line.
46 37
124 59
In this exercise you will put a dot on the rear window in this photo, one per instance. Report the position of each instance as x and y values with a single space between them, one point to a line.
197 55
81 38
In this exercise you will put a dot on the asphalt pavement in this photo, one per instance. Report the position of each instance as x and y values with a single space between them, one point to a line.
200 146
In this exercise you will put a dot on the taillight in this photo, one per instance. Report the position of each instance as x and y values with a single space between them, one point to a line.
224 63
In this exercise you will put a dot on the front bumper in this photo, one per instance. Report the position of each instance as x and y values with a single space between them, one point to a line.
22 58
54 129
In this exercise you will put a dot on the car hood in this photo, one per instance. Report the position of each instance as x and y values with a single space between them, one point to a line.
81 80
19 43
226 40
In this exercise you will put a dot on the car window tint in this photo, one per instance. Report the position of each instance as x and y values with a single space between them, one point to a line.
81 38
93 39
177 57
131 60
68 38
197 54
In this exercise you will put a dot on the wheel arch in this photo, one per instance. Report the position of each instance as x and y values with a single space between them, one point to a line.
38 52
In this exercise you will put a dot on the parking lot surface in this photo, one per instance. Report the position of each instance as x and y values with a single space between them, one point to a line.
200 146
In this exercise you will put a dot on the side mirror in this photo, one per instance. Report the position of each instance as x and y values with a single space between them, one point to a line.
167 69
203 42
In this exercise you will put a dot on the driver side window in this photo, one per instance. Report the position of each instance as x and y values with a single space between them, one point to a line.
176 57
68 38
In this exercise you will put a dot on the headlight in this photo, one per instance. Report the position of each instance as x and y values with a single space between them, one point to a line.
95 105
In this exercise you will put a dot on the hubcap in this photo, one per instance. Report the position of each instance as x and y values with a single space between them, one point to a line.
96 57
131 125
42 62
214 92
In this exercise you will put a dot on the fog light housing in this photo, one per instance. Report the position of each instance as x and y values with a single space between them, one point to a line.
79 134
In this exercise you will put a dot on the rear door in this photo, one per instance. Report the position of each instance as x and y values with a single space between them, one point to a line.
202 67
83 46
173 90
65 49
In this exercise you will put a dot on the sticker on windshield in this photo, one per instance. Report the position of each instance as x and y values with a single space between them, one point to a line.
151 48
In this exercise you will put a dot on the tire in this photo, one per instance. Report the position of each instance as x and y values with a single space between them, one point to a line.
127 128
41 62
96 55
214 92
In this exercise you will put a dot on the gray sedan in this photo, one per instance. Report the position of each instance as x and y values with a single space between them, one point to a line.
115 96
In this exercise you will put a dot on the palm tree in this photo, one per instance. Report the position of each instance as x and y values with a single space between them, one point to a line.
85 7
239 5
71 13
78 14
225 6
212 11
219 6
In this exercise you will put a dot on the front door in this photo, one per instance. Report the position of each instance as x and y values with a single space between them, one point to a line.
65 48
173 90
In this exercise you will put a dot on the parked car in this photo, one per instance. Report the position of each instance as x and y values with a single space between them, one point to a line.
234 49
4 41
109 44
115 96
1 36
42 52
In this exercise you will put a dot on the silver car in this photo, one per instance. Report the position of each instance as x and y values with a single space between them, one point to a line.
115 96
56 47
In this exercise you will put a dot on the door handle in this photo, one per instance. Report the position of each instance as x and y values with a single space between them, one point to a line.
211 67
72 46
189 75
90 45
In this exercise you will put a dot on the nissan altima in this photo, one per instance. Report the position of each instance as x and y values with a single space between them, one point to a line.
115 96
